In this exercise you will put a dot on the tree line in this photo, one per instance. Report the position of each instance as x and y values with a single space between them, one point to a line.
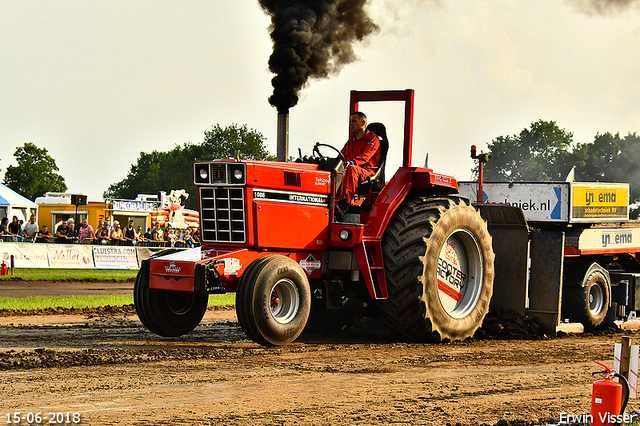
166 170
542 152
37 173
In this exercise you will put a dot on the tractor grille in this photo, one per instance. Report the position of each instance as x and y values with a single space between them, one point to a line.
218 173
222 215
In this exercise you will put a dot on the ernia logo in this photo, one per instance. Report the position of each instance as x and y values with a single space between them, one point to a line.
172 268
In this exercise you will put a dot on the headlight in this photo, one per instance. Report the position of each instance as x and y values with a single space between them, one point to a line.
345 234
236 173
201 175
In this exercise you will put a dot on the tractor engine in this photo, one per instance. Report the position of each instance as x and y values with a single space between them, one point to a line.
263 205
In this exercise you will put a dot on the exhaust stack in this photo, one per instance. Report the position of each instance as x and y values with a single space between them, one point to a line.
283 136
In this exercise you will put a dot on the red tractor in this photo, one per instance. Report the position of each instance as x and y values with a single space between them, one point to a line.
414 252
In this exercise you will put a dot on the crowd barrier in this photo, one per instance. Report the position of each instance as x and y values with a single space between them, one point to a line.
78 256
93 241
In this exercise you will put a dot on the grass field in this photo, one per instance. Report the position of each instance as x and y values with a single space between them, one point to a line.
50 274
39 302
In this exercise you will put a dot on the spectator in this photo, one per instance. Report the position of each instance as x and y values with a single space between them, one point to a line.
102 234
14 228
72 232
116 233
179 240
62 231
196 236
156 233
147 235
130 233
169 236
138 233
85 233
44 233
187 239
4 231
31 228
21 230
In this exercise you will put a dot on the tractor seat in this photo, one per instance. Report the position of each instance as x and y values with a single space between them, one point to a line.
372 181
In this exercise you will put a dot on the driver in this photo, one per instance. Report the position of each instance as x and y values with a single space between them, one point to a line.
362 153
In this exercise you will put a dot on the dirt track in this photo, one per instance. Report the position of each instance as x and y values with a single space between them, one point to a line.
106 366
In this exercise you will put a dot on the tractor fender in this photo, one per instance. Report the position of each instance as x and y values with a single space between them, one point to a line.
398 188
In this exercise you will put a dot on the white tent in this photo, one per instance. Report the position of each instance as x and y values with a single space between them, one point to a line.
14 204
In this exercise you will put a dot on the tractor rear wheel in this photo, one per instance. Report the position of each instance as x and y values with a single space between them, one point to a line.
439 270
273 300
168 313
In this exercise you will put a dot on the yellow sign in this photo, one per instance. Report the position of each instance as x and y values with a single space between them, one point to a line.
601 202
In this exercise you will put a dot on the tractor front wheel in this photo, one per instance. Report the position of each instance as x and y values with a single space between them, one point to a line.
439 268
168 313
273 300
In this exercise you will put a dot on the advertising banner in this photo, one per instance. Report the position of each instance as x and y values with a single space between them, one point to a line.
25 255
69 256
620 239
601 202
134 206
540 201
115 257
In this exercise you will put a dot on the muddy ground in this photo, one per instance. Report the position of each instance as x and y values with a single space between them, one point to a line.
104 365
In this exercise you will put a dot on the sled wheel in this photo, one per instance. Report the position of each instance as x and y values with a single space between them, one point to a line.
594 300
273 300
168 313
439 268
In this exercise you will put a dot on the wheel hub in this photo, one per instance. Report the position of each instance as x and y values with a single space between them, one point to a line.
285 301
596 299
459 273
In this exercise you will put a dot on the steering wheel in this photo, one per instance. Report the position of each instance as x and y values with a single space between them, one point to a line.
316 151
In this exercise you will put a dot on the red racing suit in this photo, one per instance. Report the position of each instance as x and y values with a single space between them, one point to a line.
364 156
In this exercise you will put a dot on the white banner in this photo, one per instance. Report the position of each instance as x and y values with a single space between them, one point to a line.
609 239
25 255
115 257
540 201
69 256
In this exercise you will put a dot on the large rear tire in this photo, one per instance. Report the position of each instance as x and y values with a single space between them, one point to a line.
168 313
439 270
273 300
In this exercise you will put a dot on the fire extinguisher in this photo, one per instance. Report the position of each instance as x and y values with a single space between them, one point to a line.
5 267
607 405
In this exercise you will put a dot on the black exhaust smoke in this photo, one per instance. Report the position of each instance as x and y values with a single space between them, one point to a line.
311 39
602 7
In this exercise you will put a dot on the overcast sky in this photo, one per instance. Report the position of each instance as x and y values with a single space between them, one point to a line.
96 83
